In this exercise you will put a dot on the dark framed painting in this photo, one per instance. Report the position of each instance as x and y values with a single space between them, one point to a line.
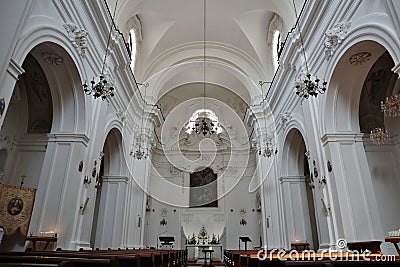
203 189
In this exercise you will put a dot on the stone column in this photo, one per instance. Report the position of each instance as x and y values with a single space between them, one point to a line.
57 199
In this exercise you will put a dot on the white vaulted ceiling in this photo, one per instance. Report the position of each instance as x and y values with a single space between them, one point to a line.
236 38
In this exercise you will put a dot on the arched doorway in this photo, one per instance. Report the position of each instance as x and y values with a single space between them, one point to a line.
112 185
383 159
297 192
41 131
353 182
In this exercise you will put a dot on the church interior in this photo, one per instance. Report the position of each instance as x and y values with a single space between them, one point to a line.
199 132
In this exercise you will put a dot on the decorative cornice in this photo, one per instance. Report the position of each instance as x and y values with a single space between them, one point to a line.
69 138
115 178
292 178
342 138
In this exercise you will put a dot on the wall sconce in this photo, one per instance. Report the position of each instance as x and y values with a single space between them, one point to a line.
83 206
243 221
163 222
322 180
87 180
326 206
98 185
329 166
311 185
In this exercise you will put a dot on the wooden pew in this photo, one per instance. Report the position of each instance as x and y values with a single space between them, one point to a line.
123 258
57 261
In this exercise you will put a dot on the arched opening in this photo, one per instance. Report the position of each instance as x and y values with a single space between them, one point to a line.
40 129
26 125
111 185
382 159
368 177
298 196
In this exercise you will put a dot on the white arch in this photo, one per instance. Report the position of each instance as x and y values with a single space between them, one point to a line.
41 31
287 149
378 37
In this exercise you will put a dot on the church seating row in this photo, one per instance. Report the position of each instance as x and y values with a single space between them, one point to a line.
89 258
249 258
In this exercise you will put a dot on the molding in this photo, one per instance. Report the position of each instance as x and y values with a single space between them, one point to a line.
69 138
115 178
342 138
393 141
15 69
396 69
292 178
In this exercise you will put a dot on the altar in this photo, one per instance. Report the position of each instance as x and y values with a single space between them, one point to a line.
195 251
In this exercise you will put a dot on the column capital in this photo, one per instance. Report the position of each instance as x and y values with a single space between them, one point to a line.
69 138
115 178
15 69
292 178
342 138
396 69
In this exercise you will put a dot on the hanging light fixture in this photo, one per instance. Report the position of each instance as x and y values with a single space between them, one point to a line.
204 124
141 151
265 144
391 106
102 88
308 85
268 148
379 136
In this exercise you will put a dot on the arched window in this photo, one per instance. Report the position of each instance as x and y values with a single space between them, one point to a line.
275 31
134 29
133 46
275 48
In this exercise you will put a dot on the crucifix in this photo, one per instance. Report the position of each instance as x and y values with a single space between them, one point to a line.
23 176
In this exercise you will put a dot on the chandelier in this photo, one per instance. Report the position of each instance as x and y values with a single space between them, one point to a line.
140 152
379 136
268 148
391 106
101 88
203 124
308 86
